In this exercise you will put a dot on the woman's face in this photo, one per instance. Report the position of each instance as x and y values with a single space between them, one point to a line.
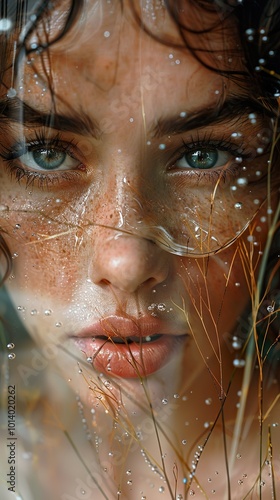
132 156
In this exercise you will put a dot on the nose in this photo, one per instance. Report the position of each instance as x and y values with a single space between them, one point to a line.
127 262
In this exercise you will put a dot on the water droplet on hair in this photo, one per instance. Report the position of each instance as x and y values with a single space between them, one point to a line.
11 345
5 24
11 355
270 309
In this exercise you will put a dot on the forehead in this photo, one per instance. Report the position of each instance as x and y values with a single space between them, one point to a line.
132 50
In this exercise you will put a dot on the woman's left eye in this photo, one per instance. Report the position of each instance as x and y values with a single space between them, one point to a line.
203 159
48 159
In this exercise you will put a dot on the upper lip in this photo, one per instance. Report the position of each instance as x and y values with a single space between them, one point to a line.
124 327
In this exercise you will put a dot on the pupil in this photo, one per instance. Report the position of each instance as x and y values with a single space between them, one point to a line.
203 158
49 158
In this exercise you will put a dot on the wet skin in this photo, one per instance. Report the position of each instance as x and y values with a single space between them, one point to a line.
78 253
83 266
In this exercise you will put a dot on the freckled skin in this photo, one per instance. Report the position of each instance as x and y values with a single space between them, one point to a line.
53 270
74 258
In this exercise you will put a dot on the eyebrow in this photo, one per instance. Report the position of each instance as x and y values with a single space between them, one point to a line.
78 122
231 110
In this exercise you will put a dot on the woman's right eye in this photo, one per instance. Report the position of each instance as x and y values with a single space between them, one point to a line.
48 159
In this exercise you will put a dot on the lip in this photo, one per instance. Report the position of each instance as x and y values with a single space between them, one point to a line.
130 359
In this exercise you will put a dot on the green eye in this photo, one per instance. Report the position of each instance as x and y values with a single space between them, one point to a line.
203 159
48 159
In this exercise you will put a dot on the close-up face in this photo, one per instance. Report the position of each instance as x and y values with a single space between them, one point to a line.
132 190
138 200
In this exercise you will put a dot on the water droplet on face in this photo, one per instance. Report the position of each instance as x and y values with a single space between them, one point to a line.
161 489
106 34
242 181
239 363
128 472
184 441
250 238
236 343
238 205
162 146
21 308
34 312
17 226
237 284
176 396
161 307
11 355
11 345
164 401
208 401
58 324
183 114
129 482
48 312
89 359
11 93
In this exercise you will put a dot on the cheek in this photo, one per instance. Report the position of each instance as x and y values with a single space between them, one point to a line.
216 293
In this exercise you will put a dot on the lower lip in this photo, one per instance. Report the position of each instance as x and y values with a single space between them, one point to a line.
131 360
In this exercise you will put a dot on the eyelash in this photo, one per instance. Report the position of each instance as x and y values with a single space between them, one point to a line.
43 180
207 142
